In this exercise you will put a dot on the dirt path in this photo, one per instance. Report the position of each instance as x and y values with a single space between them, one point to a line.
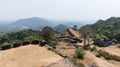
92 59
28 56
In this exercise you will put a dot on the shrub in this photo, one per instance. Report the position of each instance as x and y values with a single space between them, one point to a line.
93 48
100 53
80 65
54 46
52 43
108 57
116 58
49 48
59 39
77 46
79 53
87 47
67 40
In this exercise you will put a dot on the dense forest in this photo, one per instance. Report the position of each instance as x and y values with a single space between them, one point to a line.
106 29
47 33
19 36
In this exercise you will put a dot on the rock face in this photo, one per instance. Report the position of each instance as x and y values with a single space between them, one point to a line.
74 33
62 63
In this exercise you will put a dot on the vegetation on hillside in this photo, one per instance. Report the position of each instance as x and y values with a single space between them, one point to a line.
107 29
79 53
61 28
22 35
47 34
107 56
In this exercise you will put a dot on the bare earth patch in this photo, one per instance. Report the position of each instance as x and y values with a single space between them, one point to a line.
65 51
28 56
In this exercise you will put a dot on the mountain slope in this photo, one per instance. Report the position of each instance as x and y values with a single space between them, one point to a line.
68 23
60 28
71 24
109 28
34 23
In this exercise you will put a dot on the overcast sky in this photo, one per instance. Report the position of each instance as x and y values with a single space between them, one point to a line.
60 9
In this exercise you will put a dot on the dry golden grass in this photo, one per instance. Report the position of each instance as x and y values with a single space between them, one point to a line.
113 49
28 56
90 58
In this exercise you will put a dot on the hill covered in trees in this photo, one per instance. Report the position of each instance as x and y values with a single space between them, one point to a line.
19 36
109 28
35 23
47 34
61 28
32 23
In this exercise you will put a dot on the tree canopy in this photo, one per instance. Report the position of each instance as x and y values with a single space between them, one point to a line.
109 28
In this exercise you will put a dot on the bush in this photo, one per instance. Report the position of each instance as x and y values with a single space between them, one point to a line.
116 58
79 53
49 48
77 46
108 57
80 65
59 39
67 40
87 47
52 43
54 46
100 53
93 48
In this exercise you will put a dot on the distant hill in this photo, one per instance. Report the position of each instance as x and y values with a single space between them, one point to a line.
3 22
36 24
61 28
71 24
28 23
109 28
68 23
33 23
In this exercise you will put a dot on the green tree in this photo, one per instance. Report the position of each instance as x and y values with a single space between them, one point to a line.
75 27
48 33
85 32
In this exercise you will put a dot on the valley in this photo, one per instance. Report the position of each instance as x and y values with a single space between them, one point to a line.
49 48
59 33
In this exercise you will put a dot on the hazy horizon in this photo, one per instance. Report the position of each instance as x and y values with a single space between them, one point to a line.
84 22
59 9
